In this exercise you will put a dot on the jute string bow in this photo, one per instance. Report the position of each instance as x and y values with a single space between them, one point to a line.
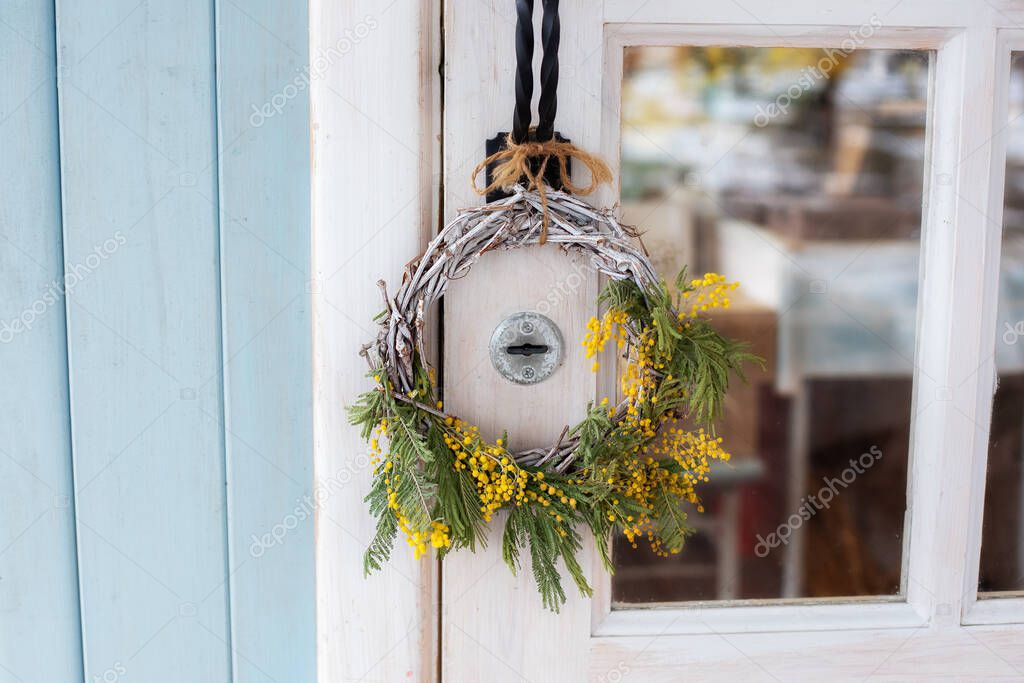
515 165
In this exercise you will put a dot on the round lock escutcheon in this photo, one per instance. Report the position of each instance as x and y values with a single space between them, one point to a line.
526 348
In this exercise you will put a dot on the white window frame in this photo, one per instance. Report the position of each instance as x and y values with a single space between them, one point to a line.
995 607
942 541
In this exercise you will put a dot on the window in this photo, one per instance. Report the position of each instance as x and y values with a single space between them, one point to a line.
798 172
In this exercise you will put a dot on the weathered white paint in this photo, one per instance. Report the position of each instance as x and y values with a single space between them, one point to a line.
38 576
813 13
903 655
757 616
492 624
996 609
951 394
373 205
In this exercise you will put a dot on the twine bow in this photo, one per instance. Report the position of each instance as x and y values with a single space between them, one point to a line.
515 165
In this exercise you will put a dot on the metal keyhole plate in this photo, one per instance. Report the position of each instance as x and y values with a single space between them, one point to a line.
526 348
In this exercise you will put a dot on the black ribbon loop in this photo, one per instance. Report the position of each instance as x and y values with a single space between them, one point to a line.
550 33
524 71
548 104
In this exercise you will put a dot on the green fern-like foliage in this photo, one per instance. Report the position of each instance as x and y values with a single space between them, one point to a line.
438 483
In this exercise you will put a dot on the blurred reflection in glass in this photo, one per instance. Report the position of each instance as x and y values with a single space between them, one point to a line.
799 173
1002 545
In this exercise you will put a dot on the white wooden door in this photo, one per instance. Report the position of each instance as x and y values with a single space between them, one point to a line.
934 625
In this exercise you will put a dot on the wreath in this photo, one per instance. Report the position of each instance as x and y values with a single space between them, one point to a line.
628 467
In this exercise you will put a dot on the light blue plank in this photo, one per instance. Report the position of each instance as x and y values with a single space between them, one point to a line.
263 97
40 636
138 147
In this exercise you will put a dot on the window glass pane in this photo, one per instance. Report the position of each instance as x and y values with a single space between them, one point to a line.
1002 546
797 172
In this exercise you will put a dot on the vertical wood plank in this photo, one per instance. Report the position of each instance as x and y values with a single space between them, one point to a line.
956 329
263 100
374 156
138 159
1007 42
493 625
40 635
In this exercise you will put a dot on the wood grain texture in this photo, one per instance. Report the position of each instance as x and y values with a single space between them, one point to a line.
953 379
140 175
955 333
949 438
374 155
38 570
493 625
899 656
139 170
263 79
1002 610
814 14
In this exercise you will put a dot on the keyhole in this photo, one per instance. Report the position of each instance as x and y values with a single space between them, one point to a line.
526 349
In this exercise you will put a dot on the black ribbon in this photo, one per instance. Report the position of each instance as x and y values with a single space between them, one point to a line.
548 104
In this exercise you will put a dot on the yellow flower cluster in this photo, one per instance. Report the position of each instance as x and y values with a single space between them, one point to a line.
380 430
416 538
548 493
497 477
499 480
439 537
599 332
645 479
638 381
693 451
710 291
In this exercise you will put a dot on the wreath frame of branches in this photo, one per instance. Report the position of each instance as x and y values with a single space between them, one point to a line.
517 221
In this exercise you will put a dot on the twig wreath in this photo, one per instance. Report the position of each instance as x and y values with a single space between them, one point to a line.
625 468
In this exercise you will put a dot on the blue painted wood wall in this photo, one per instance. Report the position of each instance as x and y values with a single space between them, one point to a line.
155 342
